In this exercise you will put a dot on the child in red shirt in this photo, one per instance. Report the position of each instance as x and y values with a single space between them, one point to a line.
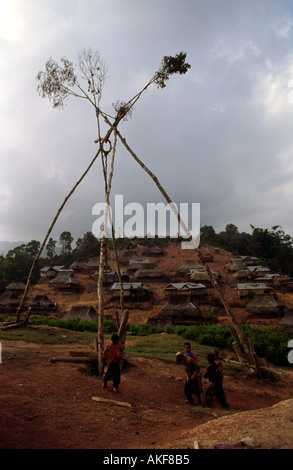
112 355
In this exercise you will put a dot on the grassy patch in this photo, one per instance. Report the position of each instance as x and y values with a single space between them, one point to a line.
165 346
48 335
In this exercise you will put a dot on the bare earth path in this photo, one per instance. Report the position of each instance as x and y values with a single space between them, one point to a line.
48 405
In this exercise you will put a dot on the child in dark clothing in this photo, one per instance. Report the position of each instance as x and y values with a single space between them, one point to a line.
112 355
215 388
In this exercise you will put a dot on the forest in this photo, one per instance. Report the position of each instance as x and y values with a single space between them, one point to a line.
272 246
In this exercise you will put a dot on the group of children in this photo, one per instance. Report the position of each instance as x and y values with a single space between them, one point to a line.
194 385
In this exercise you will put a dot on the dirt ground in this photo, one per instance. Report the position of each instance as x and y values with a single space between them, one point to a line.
46 405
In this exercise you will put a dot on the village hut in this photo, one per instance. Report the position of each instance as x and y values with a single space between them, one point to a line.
125 255
189 265
79 266
245 274
65 281
9 302
179 308
248 260
200 275
41 304
250 288
47 272
132 291
286 323
259 270
149 273
135 264
284 282
197 292
153 250
82 312
235 265
92 265
269 279
266 305
185 313
111 276
16 287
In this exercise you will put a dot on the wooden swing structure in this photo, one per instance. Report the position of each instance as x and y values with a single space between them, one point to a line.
57 83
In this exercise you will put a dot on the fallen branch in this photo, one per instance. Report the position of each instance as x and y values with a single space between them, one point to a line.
13 325
112 402
71 359
82 354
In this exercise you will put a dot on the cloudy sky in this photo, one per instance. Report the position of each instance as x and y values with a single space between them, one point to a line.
221 135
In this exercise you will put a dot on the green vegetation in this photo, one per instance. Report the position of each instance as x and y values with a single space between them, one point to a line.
155 341
272 246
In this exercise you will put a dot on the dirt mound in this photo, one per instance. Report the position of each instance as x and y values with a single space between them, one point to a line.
268 428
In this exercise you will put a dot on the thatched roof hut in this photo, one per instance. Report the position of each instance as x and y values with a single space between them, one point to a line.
82 312
199 275
245 274
248 260
133 291
264 306
287 321
235 265
92 265
66 281
153 250
188 265
177 292
79 265
42 304
16 287
149 273
125 255
177 313
111 276
9 302
135 264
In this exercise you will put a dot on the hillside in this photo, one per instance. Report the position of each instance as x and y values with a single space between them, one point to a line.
170 264
49 405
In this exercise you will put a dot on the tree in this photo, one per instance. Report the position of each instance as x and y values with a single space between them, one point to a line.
274 247
207 234
87 246
51 248
66 240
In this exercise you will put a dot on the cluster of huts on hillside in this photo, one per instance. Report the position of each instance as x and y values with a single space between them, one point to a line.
190 288
256 286
11 298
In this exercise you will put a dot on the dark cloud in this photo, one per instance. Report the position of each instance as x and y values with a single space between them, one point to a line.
219 135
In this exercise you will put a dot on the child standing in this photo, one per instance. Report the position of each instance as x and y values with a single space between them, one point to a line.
188 352
192 385
216 387
112 355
